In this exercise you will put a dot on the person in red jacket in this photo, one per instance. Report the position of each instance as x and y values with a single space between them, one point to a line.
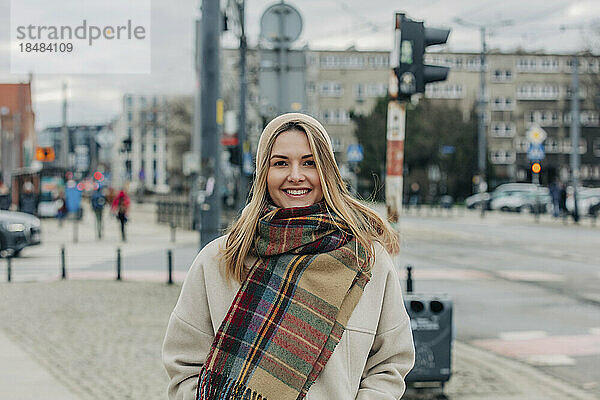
120 207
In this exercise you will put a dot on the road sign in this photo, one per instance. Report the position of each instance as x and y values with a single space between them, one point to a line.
354 153
536 134
536 152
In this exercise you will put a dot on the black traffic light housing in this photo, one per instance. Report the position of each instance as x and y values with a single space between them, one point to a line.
411 72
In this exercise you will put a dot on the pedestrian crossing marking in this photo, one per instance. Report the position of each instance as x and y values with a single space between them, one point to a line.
446 274
575 345
549 360
531 276
523 335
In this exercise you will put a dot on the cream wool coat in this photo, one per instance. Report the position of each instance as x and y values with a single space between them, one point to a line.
369 363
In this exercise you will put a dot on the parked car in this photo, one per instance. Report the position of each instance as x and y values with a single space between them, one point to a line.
587 198
521 198
17 231
478 199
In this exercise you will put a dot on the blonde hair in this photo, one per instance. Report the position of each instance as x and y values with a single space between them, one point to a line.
366 226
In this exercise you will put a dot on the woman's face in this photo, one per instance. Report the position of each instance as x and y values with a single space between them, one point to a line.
293 180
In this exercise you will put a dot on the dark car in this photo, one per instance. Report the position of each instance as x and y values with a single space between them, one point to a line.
17 231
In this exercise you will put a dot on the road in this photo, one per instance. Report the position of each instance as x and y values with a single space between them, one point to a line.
522 290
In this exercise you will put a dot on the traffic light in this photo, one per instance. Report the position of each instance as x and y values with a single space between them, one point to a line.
412 73
45 154
536 167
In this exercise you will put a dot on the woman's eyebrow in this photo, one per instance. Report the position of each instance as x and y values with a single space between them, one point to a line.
286 157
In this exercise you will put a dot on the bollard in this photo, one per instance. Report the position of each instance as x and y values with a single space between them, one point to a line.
62 261
9 267
173 229
118 264
409 282
170 265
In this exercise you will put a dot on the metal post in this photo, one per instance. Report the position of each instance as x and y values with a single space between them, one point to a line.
118 264
65 131
481 134
575 136
170 265
9 268
283 64
396 124
62 263
242 146
210 224
409 280
197 135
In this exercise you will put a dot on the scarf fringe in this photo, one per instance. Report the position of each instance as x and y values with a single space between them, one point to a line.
215 386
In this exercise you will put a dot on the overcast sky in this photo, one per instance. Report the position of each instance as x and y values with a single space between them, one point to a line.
328 24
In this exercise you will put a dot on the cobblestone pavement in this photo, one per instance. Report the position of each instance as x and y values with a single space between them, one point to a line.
103 340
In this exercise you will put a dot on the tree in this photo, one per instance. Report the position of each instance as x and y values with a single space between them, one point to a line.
436 135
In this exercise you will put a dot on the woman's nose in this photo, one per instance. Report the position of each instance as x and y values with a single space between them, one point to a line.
295 174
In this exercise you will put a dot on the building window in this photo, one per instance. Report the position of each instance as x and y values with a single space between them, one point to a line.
330 89
502 75
503 157
129 116
596 147
336 117
502 129
502 104
535 91
444 91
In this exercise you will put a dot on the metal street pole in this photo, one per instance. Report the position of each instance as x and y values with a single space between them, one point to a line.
197 134
283 44
65 130
210 214
396 124
575 136
481 134
243 186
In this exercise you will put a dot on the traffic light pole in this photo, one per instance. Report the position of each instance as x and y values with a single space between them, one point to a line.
396 129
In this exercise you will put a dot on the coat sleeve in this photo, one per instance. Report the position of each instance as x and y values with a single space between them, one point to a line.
392 354
189 335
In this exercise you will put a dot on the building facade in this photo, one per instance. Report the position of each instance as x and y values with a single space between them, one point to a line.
17 128
522 89
140 150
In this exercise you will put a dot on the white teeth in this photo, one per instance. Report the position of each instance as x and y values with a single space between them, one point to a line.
297 192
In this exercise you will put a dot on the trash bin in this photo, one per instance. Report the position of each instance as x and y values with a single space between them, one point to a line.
431 323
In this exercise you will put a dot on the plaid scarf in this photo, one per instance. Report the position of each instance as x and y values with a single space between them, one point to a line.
291 311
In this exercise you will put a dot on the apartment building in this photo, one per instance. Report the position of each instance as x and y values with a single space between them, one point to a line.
522 89
140 149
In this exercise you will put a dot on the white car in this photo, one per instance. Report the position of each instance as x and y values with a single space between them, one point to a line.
586 199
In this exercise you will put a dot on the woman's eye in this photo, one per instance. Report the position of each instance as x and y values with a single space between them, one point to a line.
279 163
310 163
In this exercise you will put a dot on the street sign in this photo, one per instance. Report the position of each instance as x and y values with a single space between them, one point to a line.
536 152
536 134
354 153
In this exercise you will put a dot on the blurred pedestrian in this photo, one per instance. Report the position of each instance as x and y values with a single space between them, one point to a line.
414 195
98 202
5 199
555 194
304 297
28 199
562 204
62 208
120 208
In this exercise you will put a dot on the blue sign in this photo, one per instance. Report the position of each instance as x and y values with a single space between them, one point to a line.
247 165
354 153
73 197
536 152
446 149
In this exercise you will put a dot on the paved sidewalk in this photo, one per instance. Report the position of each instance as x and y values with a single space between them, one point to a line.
102 340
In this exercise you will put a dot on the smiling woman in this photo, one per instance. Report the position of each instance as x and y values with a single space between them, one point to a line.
301 298
293 179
